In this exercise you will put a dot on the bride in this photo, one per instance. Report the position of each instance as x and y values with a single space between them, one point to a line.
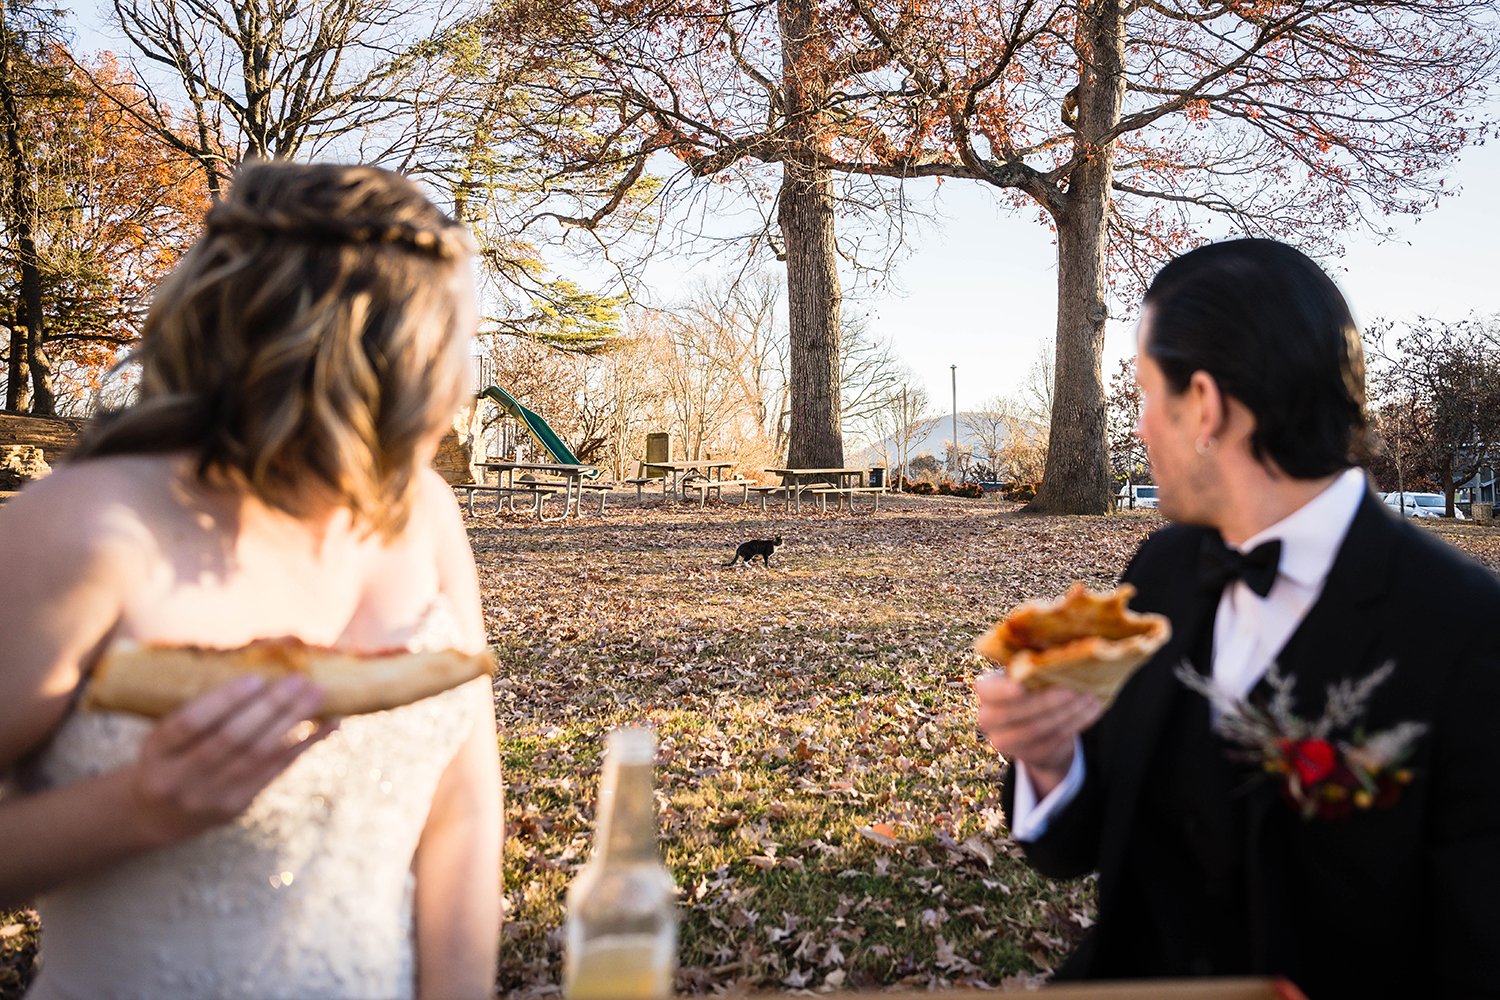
272 479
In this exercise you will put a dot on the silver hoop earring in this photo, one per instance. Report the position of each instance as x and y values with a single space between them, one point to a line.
1206 446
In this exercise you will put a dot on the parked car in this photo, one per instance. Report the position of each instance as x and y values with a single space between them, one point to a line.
1424 505
1145 496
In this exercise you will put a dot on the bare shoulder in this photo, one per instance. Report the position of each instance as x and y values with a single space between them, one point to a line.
435 514
82 507
90 527
432 492
437 510
77 544
434 509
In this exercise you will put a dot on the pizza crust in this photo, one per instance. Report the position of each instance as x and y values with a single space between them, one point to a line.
1085 641
155 680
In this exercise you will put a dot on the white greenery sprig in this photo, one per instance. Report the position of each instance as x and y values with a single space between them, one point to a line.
1241 721
1323 777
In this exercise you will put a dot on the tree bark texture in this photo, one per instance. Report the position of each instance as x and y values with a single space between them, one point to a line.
28 314
805 216
18 374
1076 478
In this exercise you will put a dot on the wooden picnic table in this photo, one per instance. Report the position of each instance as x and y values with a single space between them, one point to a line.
572 477
791 481
714 471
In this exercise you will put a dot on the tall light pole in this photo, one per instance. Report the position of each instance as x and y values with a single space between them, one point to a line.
953 464
905 443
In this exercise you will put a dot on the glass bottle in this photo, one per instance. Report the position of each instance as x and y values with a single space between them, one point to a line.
620 934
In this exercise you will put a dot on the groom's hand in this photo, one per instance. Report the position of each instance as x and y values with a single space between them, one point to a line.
204 764
1036 728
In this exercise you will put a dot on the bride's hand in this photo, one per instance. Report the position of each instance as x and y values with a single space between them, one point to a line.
202 765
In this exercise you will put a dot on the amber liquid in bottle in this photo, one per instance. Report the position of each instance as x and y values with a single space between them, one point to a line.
621 928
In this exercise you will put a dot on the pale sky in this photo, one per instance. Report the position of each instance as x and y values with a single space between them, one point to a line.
982 289
977 288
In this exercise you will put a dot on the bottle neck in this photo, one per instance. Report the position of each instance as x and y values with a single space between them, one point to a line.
627 814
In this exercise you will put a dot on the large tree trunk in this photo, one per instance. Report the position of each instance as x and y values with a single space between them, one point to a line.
18 373
1448 482
1077 480
28 314
43 399
805 215
812 286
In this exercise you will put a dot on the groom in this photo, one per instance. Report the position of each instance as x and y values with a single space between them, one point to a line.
1210 864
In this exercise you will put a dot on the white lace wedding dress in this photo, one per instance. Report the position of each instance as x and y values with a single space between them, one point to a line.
307 894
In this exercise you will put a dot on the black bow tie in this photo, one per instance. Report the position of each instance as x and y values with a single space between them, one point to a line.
1218 564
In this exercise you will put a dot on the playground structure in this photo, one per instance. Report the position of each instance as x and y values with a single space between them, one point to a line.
540 432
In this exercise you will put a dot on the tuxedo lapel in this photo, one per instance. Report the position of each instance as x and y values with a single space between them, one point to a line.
1332 644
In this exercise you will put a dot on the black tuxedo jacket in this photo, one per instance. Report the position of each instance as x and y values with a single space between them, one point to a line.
1403 901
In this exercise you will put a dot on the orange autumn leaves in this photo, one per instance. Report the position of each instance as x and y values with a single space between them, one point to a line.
116 209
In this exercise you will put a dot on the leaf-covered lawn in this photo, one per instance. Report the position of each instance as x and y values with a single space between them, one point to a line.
827 810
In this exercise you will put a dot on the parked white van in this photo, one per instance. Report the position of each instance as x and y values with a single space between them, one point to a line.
1145 496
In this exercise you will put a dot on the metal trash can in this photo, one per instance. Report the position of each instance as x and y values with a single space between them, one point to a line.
877 476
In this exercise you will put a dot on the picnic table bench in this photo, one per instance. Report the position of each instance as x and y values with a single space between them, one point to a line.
640 481
469 489
705 486
640 478
846 494
603 489
843 484
783 492
677 470
565 479
550 486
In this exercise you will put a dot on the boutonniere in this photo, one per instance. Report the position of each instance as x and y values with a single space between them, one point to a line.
1322 775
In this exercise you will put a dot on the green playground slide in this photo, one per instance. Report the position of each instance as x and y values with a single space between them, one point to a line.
545 436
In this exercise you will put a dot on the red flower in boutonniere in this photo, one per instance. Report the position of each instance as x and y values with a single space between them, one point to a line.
1312 760
1321 777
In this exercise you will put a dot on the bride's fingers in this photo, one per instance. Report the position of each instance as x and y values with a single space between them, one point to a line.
278 747
180 730
256 731
221 795
261 771
203 765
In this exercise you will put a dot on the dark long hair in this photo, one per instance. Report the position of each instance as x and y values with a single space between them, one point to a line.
1275 333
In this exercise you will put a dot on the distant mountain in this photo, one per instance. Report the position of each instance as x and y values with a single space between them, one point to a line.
931 436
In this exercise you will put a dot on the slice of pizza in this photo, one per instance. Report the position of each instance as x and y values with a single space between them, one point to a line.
155 680
1083 640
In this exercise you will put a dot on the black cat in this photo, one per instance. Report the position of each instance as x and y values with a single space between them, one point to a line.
762 547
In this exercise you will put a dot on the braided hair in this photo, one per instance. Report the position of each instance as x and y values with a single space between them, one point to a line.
306 347
296 223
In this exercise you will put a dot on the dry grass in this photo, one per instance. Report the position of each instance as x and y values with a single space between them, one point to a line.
826 808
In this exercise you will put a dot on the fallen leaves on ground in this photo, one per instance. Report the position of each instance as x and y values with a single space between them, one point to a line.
830 817
829 814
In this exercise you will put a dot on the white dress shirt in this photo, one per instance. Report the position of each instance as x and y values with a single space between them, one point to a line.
1249 630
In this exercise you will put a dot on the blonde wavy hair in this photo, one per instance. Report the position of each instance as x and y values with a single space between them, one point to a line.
307 345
